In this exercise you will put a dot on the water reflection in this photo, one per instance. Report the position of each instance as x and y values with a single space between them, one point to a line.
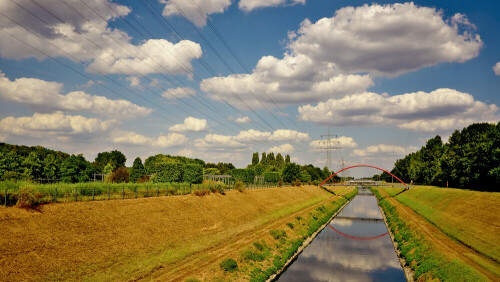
365 254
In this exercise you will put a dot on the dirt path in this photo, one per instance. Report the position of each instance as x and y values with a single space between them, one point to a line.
441 241
205 264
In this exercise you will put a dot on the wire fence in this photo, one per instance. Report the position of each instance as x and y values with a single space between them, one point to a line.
98 191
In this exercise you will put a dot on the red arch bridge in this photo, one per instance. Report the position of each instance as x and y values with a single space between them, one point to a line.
371 166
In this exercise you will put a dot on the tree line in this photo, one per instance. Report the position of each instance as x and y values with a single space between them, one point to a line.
470 159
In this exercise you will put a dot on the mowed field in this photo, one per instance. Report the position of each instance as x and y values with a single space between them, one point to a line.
470 217
133 239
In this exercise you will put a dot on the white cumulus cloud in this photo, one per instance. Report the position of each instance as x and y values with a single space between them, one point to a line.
190 124
179 92
383 149
243 119
56 123
106 49
496 68
133 138
387 39
284 149
196 11
289 135
47 96
219 142
440 110
249 5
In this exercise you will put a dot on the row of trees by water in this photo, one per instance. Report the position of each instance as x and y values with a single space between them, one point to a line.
470 159
39 163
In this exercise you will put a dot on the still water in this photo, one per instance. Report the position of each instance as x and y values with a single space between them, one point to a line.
355 246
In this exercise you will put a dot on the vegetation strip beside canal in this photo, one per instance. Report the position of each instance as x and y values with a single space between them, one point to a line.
348 197
427 251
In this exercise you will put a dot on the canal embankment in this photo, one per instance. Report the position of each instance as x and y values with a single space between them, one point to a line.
426 250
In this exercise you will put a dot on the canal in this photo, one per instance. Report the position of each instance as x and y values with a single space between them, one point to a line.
354 246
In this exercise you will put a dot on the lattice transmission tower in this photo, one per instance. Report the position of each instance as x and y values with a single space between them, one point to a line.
329 144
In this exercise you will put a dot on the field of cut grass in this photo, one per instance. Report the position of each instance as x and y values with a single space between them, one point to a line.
134 238
470 217
426 251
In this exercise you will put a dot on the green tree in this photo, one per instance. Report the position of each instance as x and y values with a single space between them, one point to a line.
255 158
192 173
304 176
33 166
107 169
115 157
76 169
50 166
211 171
280 162
263 159
287 159
270 159
138 170
291 172
259 169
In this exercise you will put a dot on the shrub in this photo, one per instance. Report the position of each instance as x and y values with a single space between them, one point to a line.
192 173
211 171
278 234
258 246
280 183
143 179
27 197
289 224
272 177
12 175
169 172
296 182
252 255
121 174
200 191
229 265
239 185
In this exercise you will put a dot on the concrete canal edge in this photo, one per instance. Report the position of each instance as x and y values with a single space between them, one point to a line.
306 243
409 274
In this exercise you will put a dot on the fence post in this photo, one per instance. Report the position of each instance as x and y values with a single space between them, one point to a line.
190 188
55 195
175 190
123 190
157 190
109 192
147 190
166 185
76 199
5 200
183 189
93 191
136 192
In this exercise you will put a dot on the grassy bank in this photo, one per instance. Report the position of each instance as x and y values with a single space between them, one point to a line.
421 255
89 191
140 238
470 217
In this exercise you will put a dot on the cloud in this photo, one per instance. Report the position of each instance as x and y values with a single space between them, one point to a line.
179 92
342 141
242 119
387 39
133 138
56 123
295 79
289 135
383 149
106 50
196 11
190 124
219 142
169 140
134 81
253 135
47 96
440 110
284 149
496 68
249 5
236 158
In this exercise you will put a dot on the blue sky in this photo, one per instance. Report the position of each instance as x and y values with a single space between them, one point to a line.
384 76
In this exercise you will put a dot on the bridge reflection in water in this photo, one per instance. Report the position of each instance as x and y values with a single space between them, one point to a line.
354 247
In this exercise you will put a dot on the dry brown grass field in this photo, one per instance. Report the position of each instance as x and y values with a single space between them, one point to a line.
136 238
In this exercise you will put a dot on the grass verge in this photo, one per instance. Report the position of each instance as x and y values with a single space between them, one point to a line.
426 262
